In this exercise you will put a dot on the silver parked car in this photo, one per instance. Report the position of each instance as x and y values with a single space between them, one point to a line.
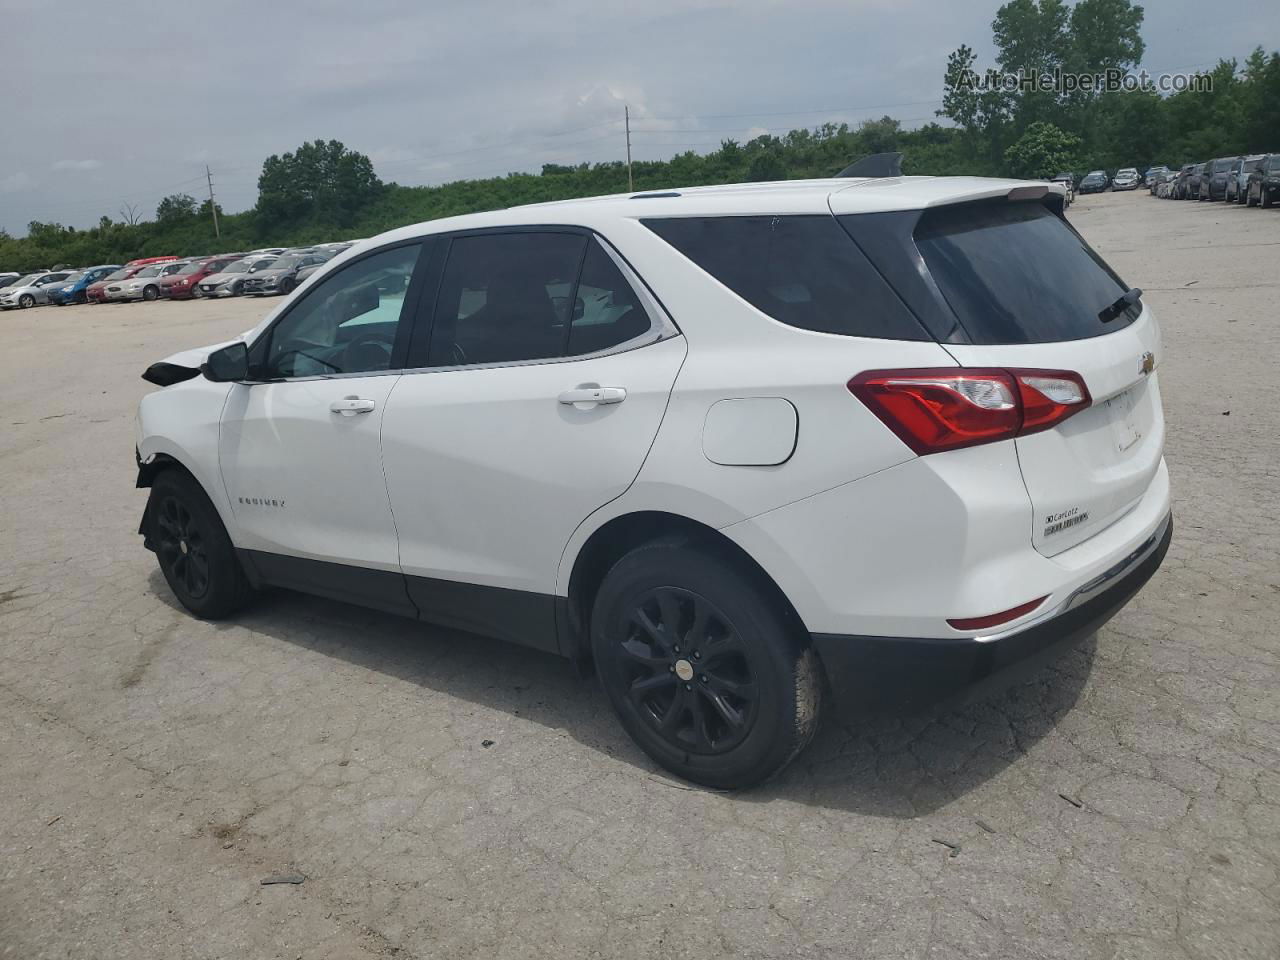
229 282
142 285
1238 179
282 276
30 290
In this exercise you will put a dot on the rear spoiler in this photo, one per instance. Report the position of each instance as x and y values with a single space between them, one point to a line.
875 165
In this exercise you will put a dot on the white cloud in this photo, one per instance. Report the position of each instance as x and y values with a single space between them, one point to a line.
77 164
15 182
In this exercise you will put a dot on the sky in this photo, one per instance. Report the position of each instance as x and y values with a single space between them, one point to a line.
108 104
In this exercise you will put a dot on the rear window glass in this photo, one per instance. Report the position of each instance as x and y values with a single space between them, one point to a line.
803 271
1017 273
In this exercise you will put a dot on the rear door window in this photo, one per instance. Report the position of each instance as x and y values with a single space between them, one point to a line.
1017 273
803 271
607 312
505 298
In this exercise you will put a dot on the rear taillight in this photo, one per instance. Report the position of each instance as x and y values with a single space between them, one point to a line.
948 408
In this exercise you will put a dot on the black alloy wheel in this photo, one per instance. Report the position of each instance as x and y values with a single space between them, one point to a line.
180 545
688 675
195 553
704 664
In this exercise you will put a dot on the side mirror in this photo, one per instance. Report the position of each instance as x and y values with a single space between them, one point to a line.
229 364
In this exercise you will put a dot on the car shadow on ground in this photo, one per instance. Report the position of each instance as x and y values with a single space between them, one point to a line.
882 760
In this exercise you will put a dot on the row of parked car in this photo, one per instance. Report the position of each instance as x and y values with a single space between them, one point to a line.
273 270
1252 180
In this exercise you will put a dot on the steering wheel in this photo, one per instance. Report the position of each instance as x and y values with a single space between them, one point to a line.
376 355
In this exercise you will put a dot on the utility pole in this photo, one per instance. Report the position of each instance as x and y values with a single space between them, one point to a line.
213 207
626 114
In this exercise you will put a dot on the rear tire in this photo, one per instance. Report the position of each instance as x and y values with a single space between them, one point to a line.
193 549
702 664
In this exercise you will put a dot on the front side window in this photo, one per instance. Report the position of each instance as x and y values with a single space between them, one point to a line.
347 323
505 298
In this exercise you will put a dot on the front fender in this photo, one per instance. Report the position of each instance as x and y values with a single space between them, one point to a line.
180 423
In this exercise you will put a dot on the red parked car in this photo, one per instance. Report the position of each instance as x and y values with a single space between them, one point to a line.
184 285
97 292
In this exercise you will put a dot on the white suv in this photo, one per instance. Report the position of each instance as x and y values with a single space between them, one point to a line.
721 443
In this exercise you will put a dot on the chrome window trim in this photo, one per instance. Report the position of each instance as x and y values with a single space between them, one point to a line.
661 327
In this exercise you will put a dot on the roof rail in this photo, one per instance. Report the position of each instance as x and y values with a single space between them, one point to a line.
654 196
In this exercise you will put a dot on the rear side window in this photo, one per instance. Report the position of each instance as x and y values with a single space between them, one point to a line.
1016 273
803 271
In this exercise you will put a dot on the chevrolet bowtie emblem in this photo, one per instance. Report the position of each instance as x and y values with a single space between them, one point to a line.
1147 364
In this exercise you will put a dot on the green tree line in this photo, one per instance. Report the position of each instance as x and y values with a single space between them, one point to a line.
323 191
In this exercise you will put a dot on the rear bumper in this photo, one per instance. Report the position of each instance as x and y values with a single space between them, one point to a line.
922 671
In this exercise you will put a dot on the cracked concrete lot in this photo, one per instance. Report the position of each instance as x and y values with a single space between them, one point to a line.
154 769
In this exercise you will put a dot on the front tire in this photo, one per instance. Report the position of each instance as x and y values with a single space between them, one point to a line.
1264 198
26 301
150 293
193 549
703 666
286 287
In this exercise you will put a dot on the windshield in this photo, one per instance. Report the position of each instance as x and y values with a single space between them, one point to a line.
1127 172
1094 176
73 278
118 275
26 281
188 268
1221 166
286 263
148 272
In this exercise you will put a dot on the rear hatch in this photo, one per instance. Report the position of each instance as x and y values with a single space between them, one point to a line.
1010 284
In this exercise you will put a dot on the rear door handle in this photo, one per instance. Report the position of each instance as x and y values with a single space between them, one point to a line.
350 406
592 394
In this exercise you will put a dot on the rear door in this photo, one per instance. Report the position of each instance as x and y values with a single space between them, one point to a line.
539 386
1030 293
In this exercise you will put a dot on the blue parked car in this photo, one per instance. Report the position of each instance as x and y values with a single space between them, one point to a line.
72 290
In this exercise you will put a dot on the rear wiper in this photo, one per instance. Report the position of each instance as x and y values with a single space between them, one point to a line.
1129 299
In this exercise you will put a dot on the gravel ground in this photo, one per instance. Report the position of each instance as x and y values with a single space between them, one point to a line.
155 769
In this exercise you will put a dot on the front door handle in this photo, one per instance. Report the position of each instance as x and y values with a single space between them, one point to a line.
590 393
350 406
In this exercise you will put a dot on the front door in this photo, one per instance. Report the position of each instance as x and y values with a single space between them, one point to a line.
299 451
